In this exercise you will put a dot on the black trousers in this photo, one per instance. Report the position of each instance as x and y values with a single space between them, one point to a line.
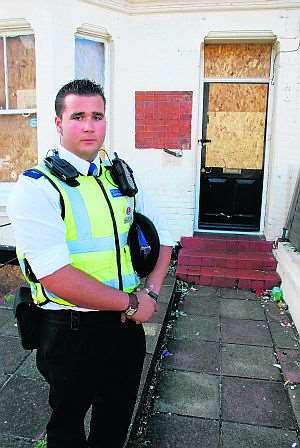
90 359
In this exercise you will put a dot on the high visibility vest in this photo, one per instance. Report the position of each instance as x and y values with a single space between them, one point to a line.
97 219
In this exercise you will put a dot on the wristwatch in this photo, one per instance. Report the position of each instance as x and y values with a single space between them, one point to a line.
133 305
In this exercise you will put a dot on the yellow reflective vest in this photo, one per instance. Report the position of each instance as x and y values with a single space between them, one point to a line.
97 218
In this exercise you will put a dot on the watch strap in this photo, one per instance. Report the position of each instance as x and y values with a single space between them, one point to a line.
133 304
153 295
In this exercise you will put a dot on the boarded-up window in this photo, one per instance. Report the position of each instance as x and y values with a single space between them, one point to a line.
18 122
17 145
89 60
236 125
237 60
21 72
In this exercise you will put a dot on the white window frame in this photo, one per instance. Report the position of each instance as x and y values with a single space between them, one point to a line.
4 35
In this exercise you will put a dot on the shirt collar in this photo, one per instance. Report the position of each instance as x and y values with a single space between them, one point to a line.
80 164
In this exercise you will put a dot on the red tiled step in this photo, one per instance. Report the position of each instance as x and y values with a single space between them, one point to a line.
228 278
207 243
235 259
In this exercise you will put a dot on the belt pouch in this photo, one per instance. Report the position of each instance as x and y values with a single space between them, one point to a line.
28 318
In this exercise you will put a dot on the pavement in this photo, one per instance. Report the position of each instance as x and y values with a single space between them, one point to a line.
231 380
24 410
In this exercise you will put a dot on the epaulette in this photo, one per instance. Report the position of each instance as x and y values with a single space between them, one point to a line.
33 173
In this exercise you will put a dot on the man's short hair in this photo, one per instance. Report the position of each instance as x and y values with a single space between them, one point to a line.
83 87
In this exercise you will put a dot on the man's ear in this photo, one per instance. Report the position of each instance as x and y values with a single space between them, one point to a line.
58 125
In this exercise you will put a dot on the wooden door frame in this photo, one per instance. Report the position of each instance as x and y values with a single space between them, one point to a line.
200 97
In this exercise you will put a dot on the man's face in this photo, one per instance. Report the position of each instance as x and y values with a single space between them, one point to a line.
82 125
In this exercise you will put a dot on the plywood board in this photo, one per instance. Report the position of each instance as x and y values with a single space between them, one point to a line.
18 145
227 97
242 60
2 93
21 68
237 140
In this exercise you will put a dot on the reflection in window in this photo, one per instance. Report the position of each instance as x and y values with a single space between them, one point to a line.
89 60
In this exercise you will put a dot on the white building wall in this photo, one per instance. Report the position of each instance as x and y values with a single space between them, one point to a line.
163 52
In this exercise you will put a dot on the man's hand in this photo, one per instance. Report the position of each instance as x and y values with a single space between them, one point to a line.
146 309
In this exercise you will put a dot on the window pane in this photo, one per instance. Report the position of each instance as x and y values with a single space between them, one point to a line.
237 60
21 72
18 145
2 89
89 60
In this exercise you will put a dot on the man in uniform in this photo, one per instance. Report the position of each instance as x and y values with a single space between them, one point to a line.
72 247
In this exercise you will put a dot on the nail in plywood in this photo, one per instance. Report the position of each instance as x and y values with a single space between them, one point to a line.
21 69
18 145
2 94
237 60
236 125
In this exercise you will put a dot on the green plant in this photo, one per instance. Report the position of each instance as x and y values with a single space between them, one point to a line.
42 443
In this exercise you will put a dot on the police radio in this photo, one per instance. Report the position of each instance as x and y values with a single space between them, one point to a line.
62 169
122 175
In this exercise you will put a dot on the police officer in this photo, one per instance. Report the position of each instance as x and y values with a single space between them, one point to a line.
72 248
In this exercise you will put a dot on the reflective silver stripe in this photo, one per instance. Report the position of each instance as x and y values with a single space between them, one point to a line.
129 281
103 244
80 213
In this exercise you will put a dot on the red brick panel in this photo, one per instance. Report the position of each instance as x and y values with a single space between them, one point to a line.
163 120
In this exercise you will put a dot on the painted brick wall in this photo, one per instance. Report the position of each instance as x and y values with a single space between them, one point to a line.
162 52
163 120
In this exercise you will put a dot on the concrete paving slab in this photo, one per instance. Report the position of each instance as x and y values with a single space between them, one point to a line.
169 280
165 294
196 356
206 328
274 313
7 441
256 402
9 329
290 365
28 368
249 361
250 332
152 332
3 379
203 292
24 410
159 316
188 393
294 395
284 337
5 316
11 354
200 306
242 309
235 435
242 294
174 431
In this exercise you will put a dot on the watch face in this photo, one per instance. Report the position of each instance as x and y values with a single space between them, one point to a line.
130 311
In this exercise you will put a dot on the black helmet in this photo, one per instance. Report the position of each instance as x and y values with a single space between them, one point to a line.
143 241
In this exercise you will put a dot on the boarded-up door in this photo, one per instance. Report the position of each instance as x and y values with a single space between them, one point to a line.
233 135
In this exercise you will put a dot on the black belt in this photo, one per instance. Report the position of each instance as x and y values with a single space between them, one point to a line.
76 319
